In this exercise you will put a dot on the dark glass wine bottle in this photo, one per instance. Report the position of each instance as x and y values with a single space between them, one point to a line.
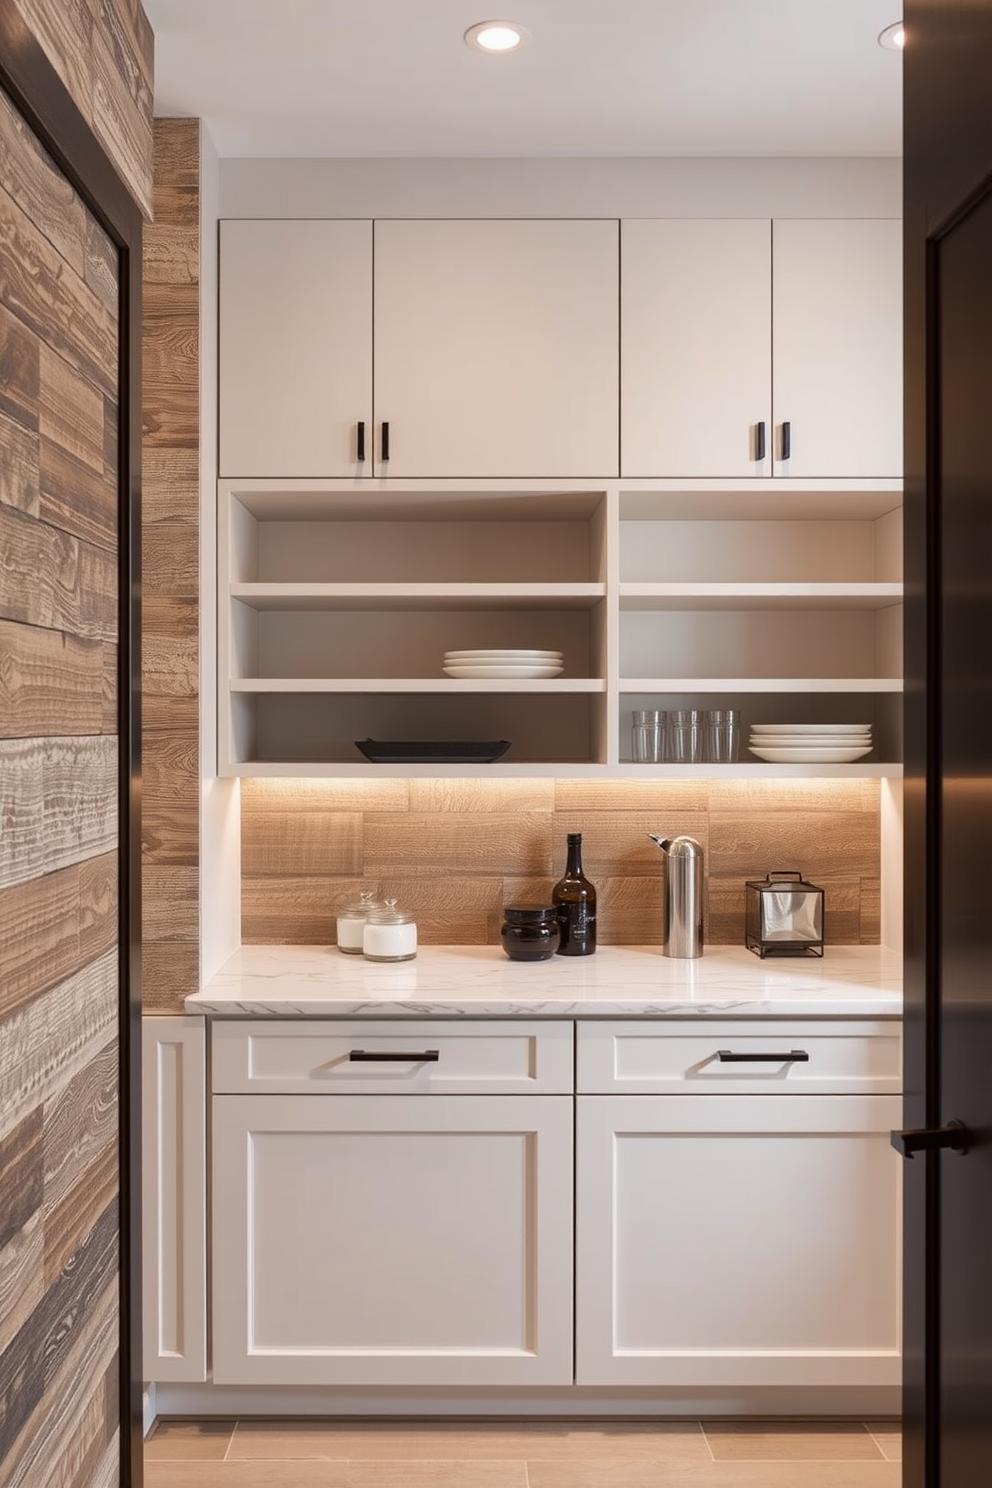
574 897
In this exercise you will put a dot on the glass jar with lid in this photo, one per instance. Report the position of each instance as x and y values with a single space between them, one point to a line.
390 933
351 923
529 931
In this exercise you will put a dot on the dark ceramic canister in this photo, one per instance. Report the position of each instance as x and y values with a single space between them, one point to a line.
529 932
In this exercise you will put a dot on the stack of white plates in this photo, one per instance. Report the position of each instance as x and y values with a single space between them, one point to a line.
506 662
810 743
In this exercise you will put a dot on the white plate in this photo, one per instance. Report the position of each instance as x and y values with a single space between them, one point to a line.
811 728
518 673
810 756
522 657
809 740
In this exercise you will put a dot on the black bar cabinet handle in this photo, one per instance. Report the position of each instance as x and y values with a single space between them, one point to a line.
370 1056
361 441
385 440
954 1137
794 1056
759 440
786 441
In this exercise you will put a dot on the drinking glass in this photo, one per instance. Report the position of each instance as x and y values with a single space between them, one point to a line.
685 735
648 736
722 732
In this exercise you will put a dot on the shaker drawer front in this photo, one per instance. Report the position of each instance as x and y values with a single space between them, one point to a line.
337 1057
742 1057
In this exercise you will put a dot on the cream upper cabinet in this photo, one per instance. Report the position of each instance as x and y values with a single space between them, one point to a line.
496 347
695 349
752 348
837 347
295 347
494 343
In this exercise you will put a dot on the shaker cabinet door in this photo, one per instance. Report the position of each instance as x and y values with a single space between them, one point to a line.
695 347
496 348
295 348
737 1240
392 1240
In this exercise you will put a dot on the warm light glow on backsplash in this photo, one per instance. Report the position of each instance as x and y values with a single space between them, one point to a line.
454 851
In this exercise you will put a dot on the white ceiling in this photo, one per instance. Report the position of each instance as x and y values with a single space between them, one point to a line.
599 77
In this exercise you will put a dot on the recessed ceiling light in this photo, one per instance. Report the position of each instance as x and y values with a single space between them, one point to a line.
893 38
496 36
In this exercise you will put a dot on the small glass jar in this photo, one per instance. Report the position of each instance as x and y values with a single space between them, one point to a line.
529 932
390 934
351 923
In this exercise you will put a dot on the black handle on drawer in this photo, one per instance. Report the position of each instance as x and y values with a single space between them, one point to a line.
369 1056
786 441
360 450
759 440
385 440
794 1056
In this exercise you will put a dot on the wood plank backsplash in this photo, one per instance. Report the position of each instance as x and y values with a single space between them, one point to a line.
454 852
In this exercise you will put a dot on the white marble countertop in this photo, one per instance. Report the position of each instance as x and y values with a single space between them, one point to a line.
617 982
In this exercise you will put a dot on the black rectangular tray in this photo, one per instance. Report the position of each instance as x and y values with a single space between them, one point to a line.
437 752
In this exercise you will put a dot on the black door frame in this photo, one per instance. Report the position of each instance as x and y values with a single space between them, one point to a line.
40 96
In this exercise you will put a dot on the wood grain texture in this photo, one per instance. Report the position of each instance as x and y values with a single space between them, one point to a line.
40 188
40 945
58 799
52 302
52 682
51 580
52 1039
170 485
75 498
288 796
170 971
20 467
80 1120
22 1277
446 844
170 656
171 899
318 842
71 1219
456 864
22 1173
20 370
70 410
177 173
103 52
170 556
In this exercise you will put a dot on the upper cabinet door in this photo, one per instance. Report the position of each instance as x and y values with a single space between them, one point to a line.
496 348
837 347
295 347
696 348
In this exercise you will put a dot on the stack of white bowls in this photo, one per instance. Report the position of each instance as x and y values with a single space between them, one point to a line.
810 743
507 662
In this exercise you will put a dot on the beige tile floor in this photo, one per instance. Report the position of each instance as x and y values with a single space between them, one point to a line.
515 1454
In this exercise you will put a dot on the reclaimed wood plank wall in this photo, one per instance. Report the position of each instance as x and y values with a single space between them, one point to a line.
456 851
59 1121
171 573
59 1115
103 50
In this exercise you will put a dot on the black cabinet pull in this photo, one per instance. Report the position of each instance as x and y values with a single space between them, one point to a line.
786 441
954 1137
794 1056
385 441
369 1056
759 440
360 451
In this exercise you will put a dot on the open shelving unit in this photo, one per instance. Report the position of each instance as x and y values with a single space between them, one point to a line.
339 599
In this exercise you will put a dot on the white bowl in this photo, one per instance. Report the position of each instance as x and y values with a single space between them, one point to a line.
811 728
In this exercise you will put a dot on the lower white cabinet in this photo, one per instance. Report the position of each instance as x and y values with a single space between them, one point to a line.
737 1240
392 1239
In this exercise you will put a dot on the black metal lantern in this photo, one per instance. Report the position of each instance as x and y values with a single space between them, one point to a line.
784 916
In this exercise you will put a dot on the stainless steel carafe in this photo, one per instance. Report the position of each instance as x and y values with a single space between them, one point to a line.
682 935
